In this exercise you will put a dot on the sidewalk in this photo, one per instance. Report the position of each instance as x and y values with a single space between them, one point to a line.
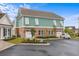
34 44
4 45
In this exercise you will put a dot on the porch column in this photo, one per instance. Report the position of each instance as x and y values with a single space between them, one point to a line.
11 32
1 33
7 33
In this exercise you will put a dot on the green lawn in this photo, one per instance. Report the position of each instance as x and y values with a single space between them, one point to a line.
16 41
76 38
21 40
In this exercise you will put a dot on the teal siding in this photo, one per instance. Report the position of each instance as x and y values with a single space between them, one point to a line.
31 22
42 22
19 22
58 22
46 22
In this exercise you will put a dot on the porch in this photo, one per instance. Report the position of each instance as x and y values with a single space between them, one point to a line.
5 33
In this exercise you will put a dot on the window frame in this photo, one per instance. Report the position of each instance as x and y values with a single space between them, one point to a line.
36 21
26 20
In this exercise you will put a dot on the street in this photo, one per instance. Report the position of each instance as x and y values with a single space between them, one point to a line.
57 48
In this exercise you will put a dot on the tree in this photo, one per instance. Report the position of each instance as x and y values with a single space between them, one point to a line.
54 30
33 32
70 32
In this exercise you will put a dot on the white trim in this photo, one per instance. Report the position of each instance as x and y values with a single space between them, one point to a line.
62 23
1 33
7 32
42 17
54 21
36 21
22 21
37 27
8 19
26 20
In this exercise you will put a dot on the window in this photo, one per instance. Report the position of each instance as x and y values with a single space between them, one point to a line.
42 32
54 22
52 32
61 22
49 32
26 20
9 32
39 32
36 21
4 32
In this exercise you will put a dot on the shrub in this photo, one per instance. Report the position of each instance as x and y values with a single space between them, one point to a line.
48 37
14 36
33 41
7 39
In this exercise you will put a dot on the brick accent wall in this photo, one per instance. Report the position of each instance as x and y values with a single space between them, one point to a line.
21 31
46 33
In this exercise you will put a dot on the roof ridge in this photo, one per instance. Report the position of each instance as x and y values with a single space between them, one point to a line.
37 10
1 15
26 11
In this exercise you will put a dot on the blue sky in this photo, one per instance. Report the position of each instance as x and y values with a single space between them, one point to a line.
70 11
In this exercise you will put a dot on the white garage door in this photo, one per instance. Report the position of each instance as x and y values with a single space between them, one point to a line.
28 35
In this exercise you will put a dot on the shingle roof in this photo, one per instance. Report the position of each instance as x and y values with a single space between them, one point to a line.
1 15
42 14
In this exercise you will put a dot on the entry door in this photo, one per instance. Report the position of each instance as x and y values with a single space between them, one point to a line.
28 35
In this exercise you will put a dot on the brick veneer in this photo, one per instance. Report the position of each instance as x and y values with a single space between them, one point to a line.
21 31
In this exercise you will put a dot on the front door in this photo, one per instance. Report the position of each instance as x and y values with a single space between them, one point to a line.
28 34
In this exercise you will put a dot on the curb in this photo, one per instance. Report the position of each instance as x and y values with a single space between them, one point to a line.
55 39
34 44
7 47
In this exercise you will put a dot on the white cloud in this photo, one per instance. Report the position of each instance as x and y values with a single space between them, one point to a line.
71 20
12 9
25 5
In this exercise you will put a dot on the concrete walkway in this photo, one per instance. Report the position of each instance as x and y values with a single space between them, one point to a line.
34 44
4 45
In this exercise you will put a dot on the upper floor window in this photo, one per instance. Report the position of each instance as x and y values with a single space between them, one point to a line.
54 22
59 23
62 23
26 20
36 21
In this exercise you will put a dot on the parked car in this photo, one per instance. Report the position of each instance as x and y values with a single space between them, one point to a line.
65 36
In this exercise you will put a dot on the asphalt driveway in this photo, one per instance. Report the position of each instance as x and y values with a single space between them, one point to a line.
57 48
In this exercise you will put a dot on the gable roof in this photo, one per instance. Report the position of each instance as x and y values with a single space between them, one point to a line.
4 21
1 15
42 14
